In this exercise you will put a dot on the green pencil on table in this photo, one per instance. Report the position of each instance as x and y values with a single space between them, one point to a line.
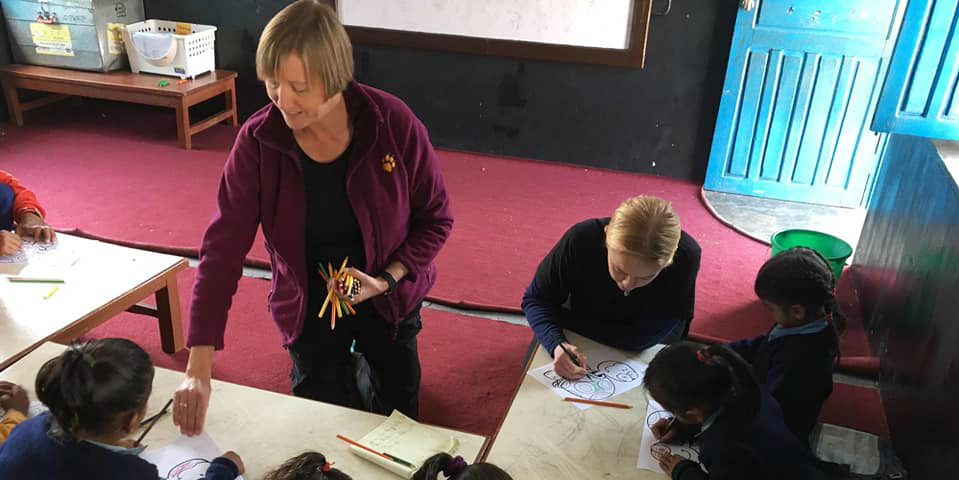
35 280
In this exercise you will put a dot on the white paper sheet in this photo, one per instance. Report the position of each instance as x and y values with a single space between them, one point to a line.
187 458
649 447
611 373
53 254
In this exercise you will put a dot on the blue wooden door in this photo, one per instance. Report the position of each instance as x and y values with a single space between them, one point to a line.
920 94
798 98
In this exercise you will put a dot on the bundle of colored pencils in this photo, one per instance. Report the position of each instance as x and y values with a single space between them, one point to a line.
338 306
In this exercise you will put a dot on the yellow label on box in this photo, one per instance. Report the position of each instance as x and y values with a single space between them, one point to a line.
52 39
183 28
115 38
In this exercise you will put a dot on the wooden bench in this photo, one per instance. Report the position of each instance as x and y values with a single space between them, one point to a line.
123 86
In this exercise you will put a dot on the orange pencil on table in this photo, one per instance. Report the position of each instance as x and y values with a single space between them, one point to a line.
597 402
381 454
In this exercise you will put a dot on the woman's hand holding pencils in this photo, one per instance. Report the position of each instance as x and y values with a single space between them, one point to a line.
339 306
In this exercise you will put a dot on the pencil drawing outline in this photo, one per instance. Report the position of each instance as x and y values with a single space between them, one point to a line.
188 469
686 450
600 381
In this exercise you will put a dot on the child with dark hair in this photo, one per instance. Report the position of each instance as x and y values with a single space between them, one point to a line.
307 466
455 468
15 403
796 358
97 393
715 398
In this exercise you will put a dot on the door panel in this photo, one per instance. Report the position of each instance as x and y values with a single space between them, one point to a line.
799 92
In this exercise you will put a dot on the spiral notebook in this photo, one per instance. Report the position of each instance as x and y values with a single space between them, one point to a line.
401 437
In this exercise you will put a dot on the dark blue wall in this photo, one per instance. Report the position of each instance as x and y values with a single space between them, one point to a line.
657 120
908 263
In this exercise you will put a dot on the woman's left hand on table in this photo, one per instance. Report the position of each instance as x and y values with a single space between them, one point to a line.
369 286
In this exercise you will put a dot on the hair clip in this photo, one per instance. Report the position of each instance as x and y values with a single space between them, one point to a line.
327 466
702 355
455 467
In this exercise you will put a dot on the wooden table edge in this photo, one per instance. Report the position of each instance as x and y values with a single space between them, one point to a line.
74 329
488 445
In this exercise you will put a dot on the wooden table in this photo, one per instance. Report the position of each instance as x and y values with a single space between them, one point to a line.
265 428
126 87
543 437
102 281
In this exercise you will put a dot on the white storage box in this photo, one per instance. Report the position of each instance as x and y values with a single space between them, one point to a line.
177 49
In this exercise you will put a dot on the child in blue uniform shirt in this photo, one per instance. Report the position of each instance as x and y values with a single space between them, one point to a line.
717 401
97 393
796 358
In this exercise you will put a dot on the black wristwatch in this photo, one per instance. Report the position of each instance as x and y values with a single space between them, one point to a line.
390 281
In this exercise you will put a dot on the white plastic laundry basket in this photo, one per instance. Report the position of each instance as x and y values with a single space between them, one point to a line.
182 55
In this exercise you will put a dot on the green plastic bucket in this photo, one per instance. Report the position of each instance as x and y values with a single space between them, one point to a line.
835 250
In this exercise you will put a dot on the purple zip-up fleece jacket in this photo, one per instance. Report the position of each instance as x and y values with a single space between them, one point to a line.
394 184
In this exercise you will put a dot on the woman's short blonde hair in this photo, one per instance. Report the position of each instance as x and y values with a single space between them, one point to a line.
646 227
312 30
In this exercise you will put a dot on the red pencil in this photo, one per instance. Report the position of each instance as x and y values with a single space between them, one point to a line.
598 402
360 445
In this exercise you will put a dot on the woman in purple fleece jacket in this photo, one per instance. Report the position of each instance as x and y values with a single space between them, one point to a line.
330 169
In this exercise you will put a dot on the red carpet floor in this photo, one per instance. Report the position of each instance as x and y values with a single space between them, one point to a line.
114 171
450 397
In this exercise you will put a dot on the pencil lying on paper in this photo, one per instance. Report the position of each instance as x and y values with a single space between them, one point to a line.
50 293
382 454
35 280
597 402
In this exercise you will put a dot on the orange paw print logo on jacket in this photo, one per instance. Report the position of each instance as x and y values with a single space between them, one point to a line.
389 163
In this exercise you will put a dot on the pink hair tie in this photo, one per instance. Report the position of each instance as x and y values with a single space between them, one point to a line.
702 355
327 466
455 467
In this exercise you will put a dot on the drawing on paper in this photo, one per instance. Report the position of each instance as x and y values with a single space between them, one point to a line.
192 469
658 450
599 383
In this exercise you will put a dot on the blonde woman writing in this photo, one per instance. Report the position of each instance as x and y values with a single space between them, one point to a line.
627 281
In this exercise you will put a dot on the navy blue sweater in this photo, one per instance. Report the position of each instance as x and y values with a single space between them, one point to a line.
576 271
30 454
760 447
797 370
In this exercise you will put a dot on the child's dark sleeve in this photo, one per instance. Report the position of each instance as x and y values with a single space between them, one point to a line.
748 347
222 468
689 470
734 463
548 291
793 383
